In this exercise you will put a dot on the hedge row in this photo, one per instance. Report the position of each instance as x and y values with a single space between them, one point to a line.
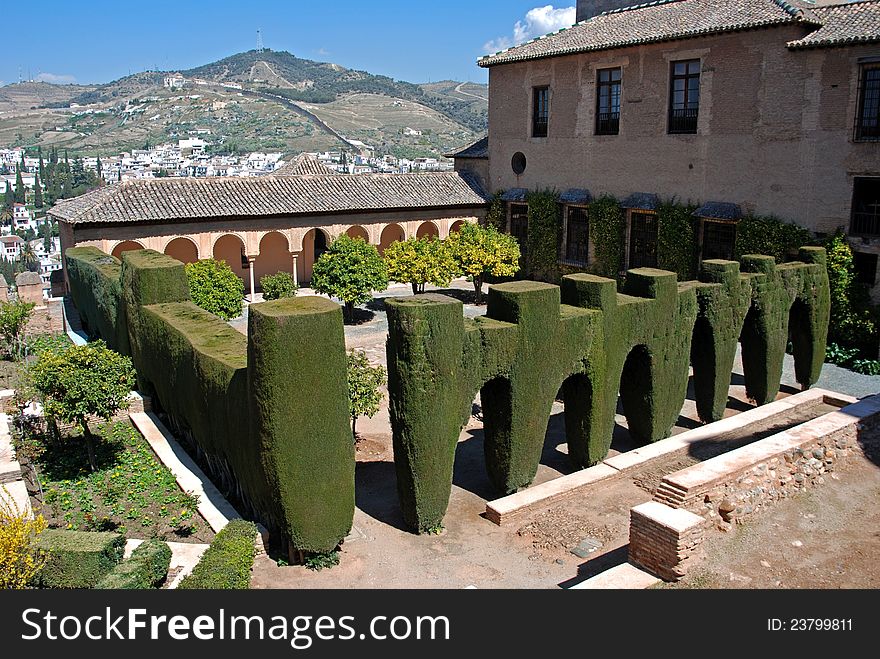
227 563
146 568
78 559
590 342
239 399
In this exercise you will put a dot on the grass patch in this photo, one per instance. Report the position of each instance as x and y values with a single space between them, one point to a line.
131 492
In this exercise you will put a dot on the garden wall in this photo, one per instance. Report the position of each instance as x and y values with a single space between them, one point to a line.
237 398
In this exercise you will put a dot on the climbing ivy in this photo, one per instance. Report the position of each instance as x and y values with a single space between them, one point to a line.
757 234
608 233
677 244
497 214
545 235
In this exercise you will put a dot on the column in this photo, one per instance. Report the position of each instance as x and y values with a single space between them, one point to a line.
251 260
295 275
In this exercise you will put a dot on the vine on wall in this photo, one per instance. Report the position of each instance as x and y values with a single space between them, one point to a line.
608 235
545 235
497 214
677 239
771 236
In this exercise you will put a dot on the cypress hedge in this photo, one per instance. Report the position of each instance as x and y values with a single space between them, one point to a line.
146 568
589 341
227 563
238 399
78 559
96 290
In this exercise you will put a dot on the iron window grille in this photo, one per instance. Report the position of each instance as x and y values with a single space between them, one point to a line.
540 111
867 126
684 96
519 226
608 101
643 240
577 236
719 240
865 219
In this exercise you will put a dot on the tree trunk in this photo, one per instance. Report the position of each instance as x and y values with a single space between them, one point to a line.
90 446
478 289
349 312
415 288
354 428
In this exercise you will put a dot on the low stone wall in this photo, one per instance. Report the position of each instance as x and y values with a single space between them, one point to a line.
729 488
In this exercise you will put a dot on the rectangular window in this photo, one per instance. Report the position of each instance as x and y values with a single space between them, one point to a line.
868 115
719 239
577 235
540 111
608 101
643 240
865 207
519 225
684 96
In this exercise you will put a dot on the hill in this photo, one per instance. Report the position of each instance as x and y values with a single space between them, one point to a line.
284 104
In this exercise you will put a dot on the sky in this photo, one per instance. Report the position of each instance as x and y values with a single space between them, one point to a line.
98 41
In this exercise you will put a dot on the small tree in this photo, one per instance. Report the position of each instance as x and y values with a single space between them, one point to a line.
350 270
480 252
278 286
81 382
420 261
20 560
215 288
14 317
364 388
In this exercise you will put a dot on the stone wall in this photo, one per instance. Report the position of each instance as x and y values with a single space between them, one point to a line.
665 541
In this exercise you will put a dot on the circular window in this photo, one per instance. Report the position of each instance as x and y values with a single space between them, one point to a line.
518 163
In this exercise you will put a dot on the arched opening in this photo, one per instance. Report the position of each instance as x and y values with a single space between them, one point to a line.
274 256
315 243
182 249
428 230
636 389
456 226
126 246
707 389
231 249
358 232
390 234
496 398
577 398
802 337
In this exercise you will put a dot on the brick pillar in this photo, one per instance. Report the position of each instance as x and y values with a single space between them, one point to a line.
664 541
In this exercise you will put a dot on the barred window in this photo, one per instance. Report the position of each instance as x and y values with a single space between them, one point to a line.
868 114
865 219
519 225
577 235
719 240
684 96
608 101
642 240
540 111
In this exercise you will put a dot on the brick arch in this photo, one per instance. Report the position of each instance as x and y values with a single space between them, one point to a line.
274 255
428 230
306 260
182 248
357 231
456 226
228 247
125 246
391 233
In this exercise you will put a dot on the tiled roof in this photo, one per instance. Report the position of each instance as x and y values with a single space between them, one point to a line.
664 20
304 163
479 149
515 195
852 23
575 196
643 201
719 210
181 199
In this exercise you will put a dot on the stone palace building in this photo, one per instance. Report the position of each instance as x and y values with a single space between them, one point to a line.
769 107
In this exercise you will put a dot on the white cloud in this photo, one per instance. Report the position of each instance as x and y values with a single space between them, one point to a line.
55 79
538 21
323 52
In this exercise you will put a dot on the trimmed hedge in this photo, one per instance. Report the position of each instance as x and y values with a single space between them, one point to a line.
146 568
589 341
238 399
78 559
227 563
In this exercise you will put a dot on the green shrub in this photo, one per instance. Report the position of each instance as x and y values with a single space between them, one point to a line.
756 234
227 563
364 387
318 562
420 261
278 286
545 236
496 216
854 323
482 252
215 288
677 239
350 270
14 317
146 568
78 559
